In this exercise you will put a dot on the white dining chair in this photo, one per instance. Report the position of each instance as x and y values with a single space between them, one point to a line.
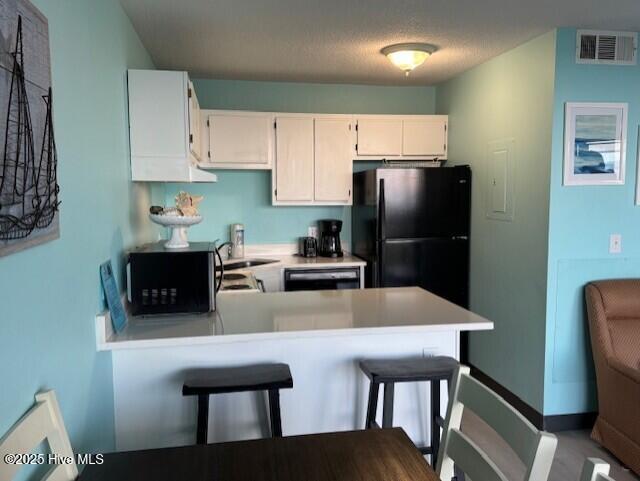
43 422
595 469
534 448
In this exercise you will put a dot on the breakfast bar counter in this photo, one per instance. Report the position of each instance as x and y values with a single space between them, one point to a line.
321 335
289 315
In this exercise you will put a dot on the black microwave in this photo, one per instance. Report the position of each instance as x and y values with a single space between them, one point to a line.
172 281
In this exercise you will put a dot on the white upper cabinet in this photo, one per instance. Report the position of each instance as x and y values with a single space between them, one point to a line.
163 127
194 123
379 136
402 137
425 137
313 162
240 140
155 100
294 160
333 160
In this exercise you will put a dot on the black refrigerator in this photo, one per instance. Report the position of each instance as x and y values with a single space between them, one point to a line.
411 225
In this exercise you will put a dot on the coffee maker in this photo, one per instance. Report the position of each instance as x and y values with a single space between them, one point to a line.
330 238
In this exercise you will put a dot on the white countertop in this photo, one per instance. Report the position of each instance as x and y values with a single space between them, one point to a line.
280 315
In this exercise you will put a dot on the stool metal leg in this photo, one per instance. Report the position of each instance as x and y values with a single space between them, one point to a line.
435 417
203 419
274 413
387 408
372 406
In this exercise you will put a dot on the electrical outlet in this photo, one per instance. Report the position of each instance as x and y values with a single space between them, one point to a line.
615 244
430 352
312 231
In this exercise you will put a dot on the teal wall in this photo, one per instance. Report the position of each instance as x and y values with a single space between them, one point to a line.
246 196
508 97
314 98
581 219
51 293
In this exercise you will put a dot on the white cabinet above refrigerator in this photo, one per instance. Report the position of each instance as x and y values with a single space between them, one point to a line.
401 137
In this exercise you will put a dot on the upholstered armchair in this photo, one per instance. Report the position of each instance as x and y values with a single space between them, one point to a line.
614 322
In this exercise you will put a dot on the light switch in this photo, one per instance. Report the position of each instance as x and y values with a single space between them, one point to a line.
312 231
615 244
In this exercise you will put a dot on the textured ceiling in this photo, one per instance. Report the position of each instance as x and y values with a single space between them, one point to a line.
339 40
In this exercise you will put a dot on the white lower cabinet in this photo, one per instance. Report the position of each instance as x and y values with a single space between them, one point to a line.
271 278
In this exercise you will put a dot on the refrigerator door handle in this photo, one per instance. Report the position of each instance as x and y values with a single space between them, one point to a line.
381 213
375 274
380 266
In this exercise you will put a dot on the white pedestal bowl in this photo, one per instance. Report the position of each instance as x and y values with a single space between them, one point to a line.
178 225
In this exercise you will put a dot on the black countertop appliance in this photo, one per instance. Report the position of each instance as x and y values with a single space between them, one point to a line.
172 281
308 247
411 225
330 245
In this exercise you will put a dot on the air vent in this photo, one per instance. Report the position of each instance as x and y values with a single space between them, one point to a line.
607 48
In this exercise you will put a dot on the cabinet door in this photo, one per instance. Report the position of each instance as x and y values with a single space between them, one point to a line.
194 123
157 113
294 159
379 136
240 138
427 137
271 278
333 160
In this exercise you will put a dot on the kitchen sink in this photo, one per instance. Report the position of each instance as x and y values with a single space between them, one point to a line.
244 264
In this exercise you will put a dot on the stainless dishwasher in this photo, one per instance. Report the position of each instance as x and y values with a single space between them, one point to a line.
321 279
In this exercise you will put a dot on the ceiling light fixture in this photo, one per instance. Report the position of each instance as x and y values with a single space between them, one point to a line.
407 56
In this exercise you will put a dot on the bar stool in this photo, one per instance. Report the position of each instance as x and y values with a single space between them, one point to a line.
257 377
392 371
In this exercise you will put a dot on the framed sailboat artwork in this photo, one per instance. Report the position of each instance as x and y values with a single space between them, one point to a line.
29 191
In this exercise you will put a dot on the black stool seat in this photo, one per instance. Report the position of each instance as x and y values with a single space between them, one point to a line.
410 369
258 377
413 369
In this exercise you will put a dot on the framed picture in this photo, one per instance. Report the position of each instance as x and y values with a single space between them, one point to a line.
638 171
595 143
29 200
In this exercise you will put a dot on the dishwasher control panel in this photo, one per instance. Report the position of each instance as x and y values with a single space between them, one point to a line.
322 279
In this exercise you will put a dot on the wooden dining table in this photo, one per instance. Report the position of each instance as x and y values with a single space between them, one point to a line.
371 455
